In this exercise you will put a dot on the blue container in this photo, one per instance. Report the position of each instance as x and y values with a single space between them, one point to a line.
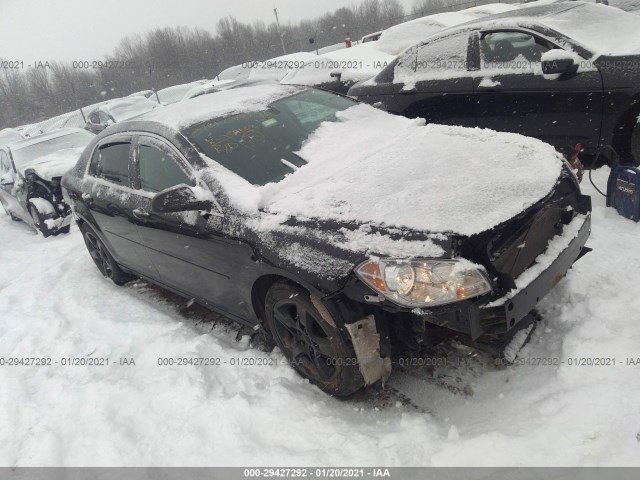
623 191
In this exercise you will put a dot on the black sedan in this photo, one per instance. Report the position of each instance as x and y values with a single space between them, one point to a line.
342 230
30 175
566 73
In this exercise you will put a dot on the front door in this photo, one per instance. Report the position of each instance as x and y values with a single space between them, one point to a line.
513 95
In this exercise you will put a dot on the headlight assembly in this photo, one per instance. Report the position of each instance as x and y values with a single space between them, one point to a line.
424 282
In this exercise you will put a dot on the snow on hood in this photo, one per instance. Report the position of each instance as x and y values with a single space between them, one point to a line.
376 168
55 164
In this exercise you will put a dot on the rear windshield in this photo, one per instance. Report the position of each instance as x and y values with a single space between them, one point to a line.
24 156
260 146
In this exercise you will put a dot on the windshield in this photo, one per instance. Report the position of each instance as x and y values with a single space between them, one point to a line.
260 146
22 157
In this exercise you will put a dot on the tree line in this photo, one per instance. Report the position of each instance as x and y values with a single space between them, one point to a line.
172 55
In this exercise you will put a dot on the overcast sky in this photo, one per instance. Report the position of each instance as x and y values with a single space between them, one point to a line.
48 30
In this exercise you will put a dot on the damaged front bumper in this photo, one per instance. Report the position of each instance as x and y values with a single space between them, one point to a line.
477 318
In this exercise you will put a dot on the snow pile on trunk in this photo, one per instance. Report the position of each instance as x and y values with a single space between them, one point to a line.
391 171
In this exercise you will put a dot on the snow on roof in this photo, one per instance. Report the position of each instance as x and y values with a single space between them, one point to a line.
227 102
396 39
488 9
375 168
175 93
602 29
360 62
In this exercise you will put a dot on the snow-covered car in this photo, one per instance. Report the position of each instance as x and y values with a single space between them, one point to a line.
371 37
142 93
343 230
30 174
557 72
118 111
8 135
489 9
396 39
339 70
174 94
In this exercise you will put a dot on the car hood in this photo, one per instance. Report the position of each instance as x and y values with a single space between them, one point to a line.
55 164
373 168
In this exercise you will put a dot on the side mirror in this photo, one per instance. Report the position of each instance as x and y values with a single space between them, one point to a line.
7 179
558 61
180 198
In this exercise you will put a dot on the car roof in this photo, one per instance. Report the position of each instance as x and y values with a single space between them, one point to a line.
182 115
27 142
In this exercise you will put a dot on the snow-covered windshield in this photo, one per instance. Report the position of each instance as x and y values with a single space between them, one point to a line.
260 146
26 155
603 30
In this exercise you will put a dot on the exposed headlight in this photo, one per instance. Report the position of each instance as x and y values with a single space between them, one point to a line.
424 282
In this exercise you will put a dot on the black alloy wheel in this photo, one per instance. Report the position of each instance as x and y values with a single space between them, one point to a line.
313 344
102 258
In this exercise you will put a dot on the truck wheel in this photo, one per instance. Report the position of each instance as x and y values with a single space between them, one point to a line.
635 145
311 342
39 222
102 258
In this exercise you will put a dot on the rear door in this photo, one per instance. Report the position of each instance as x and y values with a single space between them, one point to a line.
188 249
113 203
512 94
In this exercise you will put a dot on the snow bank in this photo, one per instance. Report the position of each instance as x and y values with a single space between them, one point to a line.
388 170
464 414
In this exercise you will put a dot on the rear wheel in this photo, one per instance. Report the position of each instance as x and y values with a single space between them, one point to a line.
311 341
102 258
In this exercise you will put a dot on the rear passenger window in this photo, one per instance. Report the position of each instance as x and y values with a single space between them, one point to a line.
111 162
440 59
159 170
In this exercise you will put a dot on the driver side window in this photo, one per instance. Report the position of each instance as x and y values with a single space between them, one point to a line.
512 51
159 170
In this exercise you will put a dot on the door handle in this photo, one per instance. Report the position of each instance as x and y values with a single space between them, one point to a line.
140 213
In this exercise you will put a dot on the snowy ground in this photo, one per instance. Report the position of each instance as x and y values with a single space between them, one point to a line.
55 304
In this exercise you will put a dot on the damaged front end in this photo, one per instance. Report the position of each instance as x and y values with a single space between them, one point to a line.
46 198
522 259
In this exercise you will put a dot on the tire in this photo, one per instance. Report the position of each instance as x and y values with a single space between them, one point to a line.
11 215
315 348
39 222
102 258
635 145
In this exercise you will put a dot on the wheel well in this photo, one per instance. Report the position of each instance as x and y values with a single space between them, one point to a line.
623 131
259 292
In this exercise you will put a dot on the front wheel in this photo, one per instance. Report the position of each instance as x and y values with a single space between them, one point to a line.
311 341
102 258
